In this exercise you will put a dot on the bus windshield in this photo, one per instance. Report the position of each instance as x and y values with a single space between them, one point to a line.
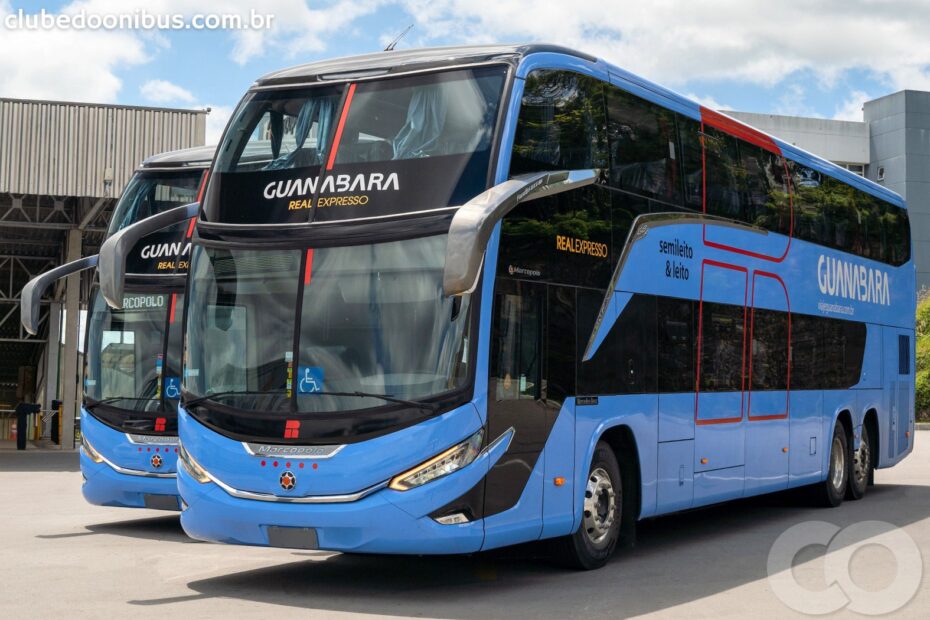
375 147
150 193
133 354
322 331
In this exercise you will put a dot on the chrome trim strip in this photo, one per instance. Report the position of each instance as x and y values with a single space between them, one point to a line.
505 436
306 499
282 451
152 440
130 472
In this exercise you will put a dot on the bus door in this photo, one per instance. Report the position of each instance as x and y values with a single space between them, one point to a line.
723 324
516 399
769 342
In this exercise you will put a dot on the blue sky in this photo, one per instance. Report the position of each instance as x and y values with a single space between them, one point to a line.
787 57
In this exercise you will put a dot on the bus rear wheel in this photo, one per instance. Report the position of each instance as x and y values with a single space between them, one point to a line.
594 542
831 491
860 467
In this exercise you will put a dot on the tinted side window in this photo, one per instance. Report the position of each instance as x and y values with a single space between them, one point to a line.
692 162
625 362
769 359
675 344
624 209
725 176
562 123
564 238
767 203
516 342
561 347
643 147
830 213
721 347
806 352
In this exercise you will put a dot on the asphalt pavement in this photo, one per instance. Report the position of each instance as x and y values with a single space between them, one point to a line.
60 557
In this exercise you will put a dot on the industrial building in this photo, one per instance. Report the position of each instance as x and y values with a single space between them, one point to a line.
62 168
63 165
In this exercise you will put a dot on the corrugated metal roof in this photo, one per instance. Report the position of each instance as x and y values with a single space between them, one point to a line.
66 149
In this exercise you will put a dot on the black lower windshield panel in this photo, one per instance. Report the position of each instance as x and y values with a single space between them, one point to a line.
318 344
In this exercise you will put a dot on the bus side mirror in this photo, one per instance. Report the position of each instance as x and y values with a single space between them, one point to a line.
31 297
111 267
473 222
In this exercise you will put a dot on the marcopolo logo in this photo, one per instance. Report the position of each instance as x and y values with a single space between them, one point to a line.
842 591
847 280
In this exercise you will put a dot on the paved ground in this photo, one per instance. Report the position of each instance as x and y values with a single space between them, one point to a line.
60 557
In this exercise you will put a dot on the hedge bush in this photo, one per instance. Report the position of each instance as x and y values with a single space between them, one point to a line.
922 397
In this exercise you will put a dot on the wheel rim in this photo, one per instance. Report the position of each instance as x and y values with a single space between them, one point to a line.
838 464
600 506
862 460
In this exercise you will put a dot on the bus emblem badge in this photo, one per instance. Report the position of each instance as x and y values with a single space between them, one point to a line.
288 481
156 461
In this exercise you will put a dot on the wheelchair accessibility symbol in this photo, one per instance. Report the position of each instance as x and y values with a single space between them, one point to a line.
173 387
310 379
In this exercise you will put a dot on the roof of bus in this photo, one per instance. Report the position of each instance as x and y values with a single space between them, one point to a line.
402 61
196 157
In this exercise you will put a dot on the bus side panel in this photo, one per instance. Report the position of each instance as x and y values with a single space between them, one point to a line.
637 412
523 522
805 460
559 459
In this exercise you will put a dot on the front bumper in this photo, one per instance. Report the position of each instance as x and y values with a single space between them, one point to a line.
104 486
382 521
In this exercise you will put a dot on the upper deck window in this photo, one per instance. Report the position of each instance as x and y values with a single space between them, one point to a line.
364 149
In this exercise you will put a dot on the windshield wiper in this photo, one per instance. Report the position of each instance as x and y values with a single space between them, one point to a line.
386 397
113 399
214 395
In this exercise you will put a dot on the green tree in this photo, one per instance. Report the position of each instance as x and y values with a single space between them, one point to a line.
922 397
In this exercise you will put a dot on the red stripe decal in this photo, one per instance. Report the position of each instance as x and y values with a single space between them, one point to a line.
309 270
738 129
174 301
190 227
203 185
340 126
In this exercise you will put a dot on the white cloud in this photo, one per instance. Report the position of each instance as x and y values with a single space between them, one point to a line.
707 101
674 42
216 122
162 91
851 108
65 64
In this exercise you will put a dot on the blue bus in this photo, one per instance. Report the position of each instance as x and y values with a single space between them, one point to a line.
132 371
447 300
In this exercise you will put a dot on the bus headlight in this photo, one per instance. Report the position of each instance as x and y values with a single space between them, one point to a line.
89 450
443 464
195 471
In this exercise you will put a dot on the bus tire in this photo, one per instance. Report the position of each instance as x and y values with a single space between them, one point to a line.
603 514
831 491
860 467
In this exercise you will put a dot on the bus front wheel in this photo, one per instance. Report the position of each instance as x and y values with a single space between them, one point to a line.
594 542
